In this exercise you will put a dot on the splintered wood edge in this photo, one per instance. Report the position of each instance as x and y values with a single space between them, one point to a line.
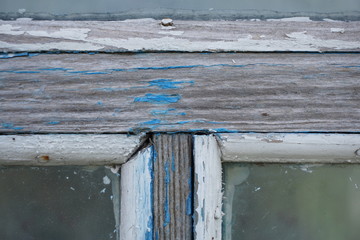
67 149
290 148
291 35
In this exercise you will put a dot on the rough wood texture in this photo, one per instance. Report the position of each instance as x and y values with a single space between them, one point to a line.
173 183
67 149
208 188
136 197
149 35
180 92
299 148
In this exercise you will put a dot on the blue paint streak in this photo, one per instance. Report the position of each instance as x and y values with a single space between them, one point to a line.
151 122
100 103
355 66
189 204
170 111
12 55
159 98
173 168
10 126
197 121
168 83
224 130
150 223
55 69
166 204
53 122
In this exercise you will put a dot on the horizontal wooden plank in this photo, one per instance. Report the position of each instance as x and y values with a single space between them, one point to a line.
67 149
299 148
100 93
294 34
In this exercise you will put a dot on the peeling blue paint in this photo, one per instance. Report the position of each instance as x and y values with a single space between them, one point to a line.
173 167
10 126
13 55
224 130
169 111
100 103
150 223
166 203
22 71
55 69
159 98
198 121
53 122
189 204
154 121
355 66
168 83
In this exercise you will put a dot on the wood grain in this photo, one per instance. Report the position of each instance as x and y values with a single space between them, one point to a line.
221 92
189 36
173 183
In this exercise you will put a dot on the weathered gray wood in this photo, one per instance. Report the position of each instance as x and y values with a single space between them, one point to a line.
149 35
173 187
180 92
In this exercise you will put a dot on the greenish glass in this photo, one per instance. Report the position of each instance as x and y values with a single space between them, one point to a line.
57 203
292 202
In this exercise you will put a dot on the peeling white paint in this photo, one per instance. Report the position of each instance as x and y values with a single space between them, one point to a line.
106 180
291 19
51 46
174 33
337 30
208 195
10 30
64 33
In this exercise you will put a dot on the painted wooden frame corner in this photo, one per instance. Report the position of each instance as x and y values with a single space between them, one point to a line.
68 149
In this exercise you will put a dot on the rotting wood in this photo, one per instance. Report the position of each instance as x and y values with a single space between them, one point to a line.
290 148
67 149
150 35
119 93
208 187
173 183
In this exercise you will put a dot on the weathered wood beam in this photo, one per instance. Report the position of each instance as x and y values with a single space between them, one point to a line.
189 36
220 92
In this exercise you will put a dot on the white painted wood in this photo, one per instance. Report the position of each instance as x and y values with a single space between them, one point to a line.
67 149
208 195
190 36
276 147
136 197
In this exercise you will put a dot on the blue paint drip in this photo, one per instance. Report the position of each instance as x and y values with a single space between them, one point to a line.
166 204
168 83
10 126
53 122
159 98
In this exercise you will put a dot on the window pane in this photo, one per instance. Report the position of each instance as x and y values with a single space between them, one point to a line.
57 203
287 201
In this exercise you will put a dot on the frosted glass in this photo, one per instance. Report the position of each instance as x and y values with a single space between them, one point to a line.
57 203
293 202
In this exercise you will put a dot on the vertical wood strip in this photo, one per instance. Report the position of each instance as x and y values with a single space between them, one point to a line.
136 197
173 186
208 196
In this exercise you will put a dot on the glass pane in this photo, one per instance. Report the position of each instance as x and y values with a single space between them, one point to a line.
287 201
57 203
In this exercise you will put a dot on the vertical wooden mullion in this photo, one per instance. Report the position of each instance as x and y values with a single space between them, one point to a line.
172 173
